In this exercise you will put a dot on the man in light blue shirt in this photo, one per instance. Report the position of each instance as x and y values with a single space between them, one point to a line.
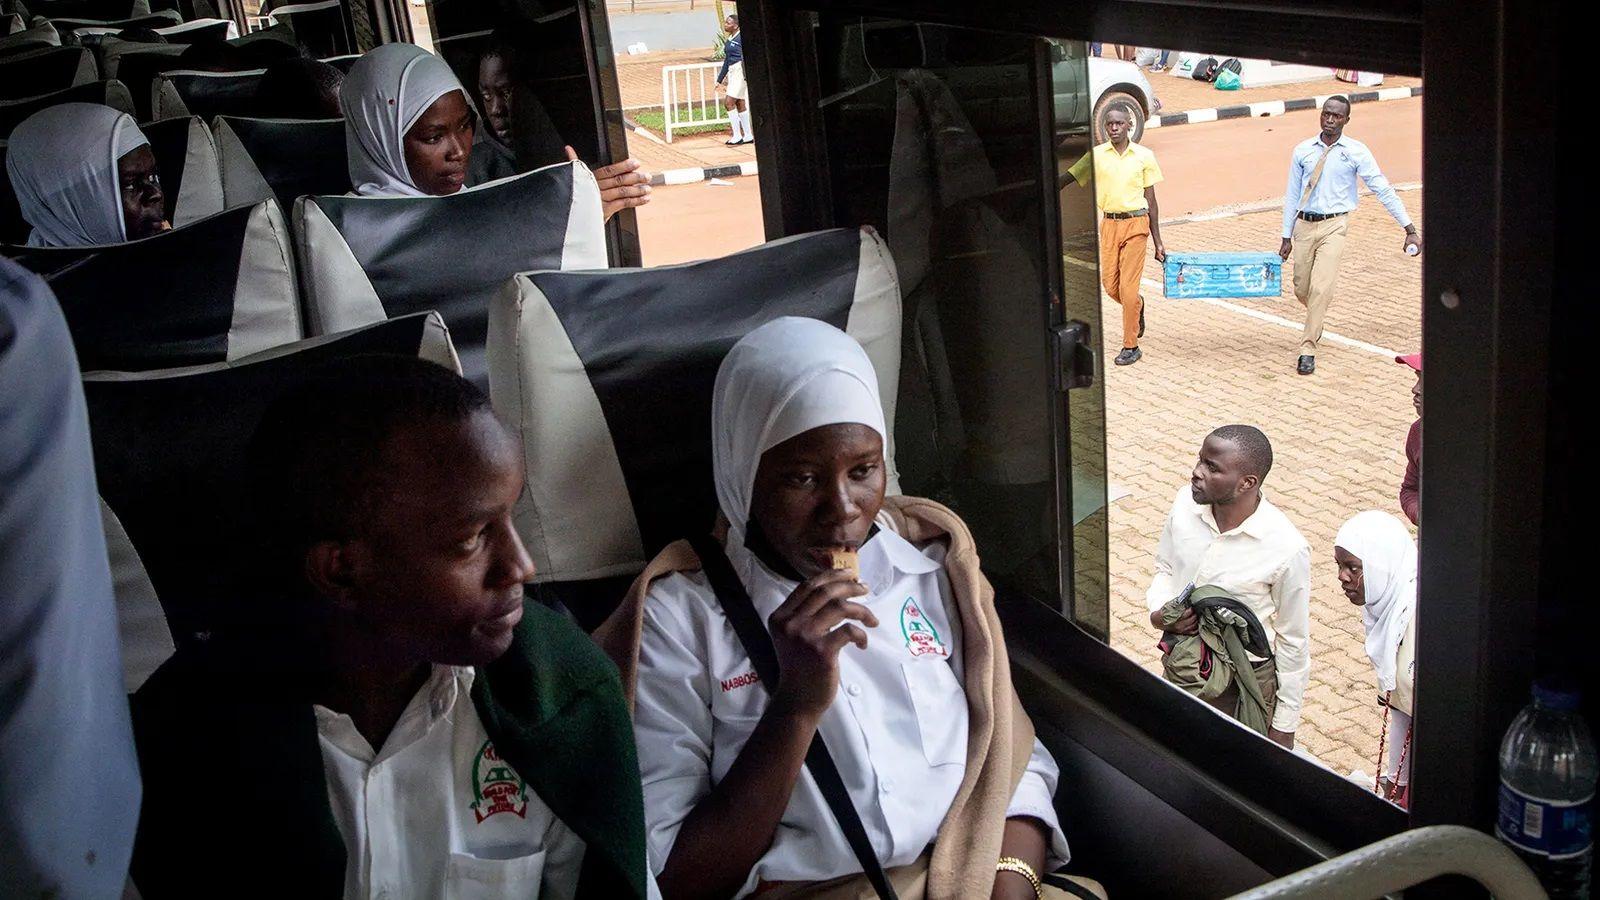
1322 189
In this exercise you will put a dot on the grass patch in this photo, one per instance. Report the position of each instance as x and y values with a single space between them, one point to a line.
656 121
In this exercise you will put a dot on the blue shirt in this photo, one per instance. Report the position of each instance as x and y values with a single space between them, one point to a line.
732 52
1336 189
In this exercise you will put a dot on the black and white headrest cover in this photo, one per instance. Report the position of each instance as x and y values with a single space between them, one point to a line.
169 450
607 378
365 258
280 158
214 290
190 169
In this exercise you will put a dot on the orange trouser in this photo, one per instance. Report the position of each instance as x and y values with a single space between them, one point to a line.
1122 243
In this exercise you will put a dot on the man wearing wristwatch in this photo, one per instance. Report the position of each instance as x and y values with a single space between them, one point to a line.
1321 193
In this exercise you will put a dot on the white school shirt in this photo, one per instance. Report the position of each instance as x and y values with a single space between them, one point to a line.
1264 563
437 813
897 727
1348 160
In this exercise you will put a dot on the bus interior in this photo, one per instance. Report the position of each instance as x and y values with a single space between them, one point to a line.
911 176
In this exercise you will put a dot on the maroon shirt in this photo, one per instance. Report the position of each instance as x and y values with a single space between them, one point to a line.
1412 483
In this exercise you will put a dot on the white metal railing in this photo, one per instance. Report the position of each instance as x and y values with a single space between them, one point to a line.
688 96
1406 859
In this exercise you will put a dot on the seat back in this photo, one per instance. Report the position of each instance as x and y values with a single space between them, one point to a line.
319 27
217 289
107 93
87 29
11 23
45 70
366 258
169 451
191 177
136 65
25 39
281 158
199 30
186 92
606 377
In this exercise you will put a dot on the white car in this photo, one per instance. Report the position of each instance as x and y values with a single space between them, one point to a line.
1113 84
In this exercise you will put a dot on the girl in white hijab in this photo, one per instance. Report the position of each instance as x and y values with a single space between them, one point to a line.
875 649
1377 561
84 175
408 124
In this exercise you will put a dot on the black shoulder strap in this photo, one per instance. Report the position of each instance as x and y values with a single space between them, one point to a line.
747 624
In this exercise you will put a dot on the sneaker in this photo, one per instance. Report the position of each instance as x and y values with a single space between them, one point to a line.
1307 365
1128 356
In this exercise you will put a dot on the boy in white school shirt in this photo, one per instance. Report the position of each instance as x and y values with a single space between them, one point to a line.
395 722
1223 531
902 671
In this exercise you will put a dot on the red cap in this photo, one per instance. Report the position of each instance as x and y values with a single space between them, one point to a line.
1414 360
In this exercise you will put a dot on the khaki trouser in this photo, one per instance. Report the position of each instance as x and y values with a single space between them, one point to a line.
1266 677
910 883
1316 251
1122 245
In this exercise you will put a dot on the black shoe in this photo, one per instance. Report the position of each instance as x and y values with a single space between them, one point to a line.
1308 364
1141 317
733 143
1128 356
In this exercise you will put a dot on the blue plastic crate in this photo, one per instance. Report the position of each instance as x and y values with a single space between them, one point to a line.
1223 275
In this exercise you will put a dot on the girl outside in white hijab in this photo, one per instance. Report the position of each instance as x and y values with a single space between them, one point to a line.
952 788
1377 561
409 131
84 175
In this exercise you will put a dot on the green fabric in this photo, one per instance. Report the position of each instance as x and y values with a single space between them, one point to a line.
1225 641
236 803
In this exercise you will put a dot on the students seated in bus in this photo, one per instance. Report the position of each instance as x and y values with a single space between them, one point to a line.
409 129
84 174
299 89
397 721
901 668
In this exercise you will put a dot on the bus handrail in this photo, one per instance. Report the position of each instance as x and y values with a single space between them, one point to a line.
1406 859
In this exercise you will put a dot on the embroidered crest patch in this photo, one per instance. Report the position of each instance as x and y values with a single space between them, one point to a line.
922 639
496 787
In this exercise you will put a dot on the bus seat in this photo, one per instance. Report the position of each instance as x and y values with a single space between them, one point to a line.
606 377
168 451
364 258
11 23
136 65
191 176
45 70
24 39
344 62
109 93
141 625
282 158
195 31
187 92
214 290
319 26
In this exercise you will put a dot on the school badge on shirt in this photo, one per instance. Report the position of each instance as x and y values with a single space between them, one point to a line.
496 787
922 639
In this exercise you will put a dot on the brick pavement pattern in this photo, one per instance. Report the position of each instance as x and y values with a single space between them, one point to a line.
1338 438
1182 94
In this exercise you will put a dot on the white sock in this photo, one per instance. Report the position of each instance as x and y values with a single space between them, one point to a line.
733 120
749 129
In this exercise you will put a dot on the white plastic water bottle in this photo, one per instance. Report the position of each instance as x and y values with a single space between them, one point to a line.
1412 249
1547 782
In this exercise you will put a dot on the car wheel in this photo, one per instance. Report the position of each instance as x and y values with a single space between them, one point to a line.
1125 102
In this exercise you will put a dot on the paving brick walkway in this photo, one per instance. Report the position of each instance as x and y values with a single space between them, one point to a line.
1338 438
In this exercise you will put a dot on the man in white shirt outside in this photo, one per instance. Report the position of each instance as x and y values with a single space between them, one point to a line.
394 721
1223 531
1323 171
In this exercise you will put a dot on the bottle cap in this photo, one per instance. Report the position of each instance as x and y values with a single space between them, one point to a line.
1556 694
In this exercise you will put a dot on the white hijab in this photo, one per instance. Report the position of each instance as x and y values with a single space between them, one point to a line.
386 92
781 380
63 166
1389 570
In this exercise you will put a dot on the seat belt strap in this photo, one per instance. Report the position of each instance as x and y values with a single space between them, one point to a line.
752 633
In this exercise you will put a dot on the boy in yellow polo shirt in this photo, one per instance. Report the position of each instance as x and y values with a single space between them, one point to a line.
1125 176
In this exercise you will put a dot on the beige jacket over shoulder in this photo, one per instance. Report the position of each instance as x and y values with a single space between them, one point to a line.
1000 736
